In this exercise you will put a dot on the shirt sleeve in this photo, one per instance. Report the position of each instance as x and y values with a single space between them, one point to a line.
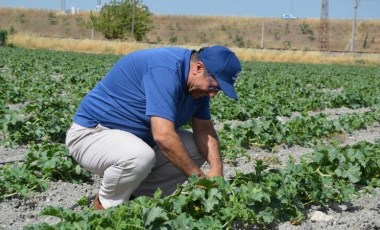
162 89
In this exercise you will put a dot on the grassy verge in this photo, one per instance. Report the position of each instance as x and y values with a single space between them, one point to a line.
245 54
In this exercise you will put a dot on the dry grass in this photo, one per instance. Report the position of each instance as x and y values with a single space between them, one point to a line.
314 57
80 45
245 54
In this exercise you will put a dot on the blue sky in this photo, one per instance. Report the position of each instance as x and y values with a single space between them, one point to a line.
339 9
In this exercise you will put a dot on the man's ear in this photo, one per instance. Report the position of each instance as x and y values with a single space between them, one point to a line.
200 66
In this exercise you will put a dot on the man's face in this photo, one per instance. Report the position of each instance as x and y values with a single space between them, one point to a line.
203 83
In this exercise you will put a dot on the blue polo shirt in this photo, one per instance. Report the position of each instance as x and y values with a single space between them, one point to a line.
145 83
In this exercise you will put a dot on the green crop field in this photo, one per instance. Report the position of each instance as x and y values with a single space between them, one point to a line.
280 104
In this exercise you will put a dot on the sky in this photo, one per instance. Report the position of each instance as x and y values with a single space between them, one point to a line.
338 9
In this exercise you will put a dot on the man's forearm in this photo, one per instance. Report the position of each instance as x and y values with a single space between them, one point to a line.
176 152
209 146
166 137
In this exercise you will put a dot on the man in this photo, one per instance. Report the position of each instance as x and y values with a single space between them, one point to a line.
127 128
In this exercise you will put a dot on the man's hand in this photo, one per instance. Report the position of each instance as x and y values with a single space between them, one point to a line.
214 173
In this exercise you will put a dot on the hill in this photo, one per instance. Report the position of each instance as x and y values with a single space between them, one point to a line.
242 32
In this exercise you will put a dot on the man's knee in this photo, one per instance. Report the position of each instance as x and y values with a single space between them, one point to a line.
146 161
141 164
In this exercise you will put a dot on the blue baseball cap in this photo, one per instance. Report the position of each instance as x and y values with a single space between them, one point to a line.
223 64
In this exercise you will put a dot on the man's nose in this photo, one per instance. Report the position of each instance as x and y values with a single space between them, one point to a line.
212 93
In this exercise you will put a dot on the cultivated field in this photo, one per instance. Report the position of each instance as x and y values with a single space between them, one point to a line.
301 148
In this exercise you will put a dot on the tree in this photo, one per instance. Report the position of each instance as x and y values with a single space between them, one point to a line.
124 19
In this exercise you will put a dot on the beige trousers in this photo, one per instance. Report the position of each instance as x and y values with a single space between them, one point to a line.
126 163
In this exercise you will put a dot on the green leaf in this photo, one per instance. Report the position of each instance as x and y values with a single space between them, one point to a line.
178 203
267 216
352 173
213 199
78 169
183 221
155 214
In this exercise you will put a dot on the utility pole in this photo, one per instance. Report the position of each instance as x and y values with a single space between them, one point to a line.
63 5
324 26
356 5
291 7
92 28
262 36
133 18
98 5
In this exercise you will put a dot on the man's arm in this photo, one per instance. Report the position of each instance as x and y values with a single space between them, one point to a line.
166 137
207 141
